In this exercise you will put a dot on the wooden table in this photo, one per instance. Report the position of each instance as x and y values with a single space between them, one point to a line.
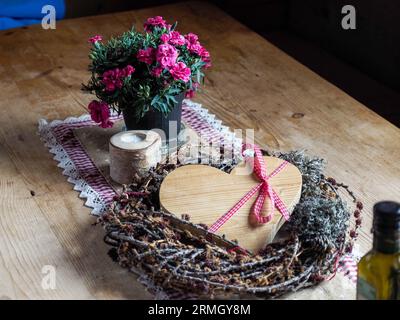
252 85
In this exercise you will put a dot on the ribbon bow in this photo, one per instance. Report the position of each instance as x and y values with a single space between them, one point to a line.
264 189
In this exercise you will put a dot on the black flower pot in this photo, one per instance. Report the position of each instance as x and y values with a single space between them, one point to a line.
156 120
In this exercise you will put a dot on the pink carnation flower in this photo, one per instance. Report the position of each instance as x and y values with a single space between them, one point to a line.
156 72
177 39
180 72
190 93
94 39
205 56
165 37
146 55
113 79
156 21
191 38
166 55
195 48
127 71
100 113
174 38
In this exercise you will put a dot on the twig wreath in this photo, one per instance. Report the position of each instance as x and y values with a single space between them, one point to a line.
165 249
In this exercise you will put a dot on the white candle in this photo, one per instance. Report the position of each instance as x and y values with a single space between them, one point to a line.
133 152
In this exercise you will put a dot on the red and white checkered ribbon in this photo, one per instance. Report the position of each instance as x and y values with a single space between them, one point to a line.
264 190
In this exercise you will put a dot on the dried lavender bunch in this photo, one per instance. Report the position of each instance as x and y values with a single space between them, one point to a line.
320 222
311 170
180 261
321 218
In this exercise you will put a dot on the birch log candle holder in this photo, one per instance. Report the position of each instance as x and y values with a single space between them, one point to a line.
133 152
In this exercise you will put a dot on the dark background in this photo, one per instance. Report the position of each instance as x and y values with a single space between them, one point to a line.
364 62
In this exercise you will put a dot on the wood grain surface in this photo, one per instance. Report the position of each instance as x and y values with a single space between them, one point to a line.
195 189
252 84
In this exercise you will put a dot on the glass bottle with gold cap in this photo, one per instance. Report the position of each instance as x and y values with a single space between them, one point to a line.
379 269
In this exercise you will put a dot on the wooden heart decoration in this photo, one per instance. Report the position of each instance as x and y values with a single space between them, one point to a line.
206 193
